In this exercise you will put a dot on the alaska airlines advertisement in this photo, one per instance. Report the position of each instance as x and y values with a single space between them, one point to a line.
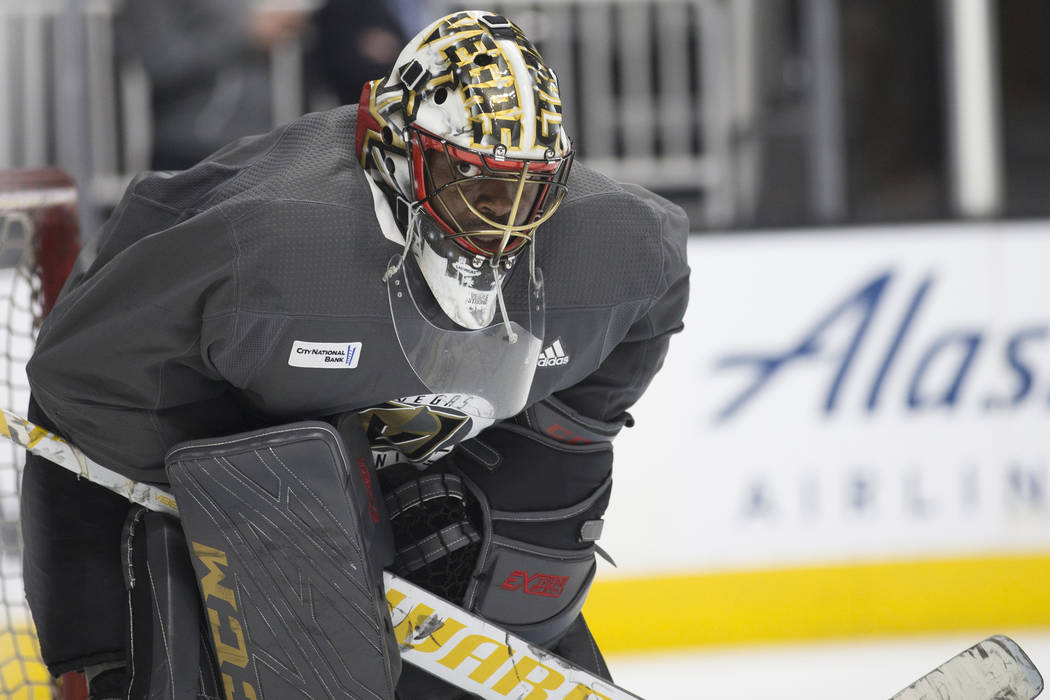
860 401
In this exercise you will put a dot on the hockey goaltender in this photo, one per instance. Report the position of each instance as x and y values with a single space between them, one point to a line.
494 310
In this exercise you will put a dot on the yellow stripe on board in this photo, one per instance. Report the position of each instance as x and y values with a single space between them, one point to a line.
856 600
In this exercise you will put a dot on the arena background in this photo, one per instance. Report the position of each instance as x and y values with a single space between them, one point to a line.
841 475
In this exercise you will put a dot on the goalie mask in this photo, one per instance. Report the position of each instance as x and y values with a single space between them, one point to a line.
464 140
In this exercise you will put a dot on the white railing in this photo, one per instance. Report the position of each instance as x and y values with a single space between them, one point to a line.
654 91
658 92
649 87
64 98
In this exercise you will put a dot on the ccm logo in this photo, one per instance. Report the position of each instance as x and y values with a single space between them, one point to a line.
227 632
537 584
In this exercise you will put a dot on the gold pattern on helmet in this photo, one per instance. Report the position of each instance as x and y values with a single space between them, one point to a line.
495 91
511 100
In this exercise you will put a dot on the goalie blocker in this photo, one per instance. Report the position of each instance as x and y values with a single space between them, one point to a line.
288 541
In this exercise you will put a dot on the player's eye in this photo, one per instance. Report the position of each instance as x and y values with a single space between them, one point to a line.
467 169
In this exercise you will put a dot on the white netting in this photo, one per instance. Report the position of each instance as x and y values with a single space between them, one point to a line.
16 342
22 213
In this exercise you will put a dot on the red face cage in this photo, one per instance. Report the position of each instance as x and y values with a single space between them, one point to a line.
490 205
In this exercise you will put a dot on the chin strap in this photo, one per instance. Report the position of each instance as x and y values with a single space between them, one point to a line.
411 230
512 337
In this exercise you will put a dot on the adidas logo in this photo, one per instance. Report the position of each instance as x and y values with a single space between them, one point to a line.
553 355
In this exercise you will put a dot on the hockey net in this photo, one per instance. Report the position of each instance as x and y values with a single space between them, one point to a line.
39 241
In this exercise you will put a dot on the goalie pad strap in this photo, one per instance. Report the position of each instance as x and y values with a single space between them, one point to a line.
427 488
288 541
556 514
435 546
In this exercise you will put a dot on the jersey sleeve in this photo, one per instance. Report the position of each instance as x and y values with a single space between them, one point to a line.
118 366
623 377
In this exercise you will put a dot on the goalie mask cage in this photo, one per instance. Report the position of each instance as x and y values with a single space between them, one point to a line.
39 241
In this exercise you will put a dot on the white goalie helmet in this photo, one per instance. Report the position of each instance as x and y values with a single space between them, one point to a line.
465 140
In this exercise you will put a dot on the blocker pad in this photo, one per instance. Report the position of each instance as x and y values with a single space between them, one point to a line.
287 540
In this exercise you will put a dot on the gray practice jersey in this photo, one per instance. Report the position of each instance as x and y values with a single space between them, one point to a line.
208 283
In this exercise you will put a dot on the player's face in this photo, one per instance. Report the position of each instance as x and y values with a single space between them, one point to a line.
461 203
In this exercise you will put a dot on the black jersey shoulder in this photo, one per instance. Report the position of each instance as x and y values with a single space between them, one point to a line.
300 214
610 243
305 160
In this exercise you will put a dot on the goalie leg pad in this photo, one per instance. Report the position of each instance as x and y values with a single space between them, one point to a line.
72 525
287 539
169 653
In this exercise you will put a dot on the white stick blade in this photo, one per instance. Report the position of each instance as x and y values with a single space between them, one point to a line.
995 669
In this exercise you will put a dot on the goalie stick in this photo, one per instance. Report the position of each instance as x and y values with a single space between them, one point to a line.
995 669
443 639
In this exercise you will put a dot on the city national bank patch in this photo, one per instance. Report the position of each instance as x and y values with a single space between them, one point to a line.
324 355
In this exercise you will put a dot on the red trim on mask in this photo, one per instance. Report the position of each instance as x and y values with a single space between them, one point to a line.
365 121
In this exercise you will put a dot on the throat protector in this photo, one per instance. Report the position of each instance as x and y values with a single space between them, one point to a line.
494 363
